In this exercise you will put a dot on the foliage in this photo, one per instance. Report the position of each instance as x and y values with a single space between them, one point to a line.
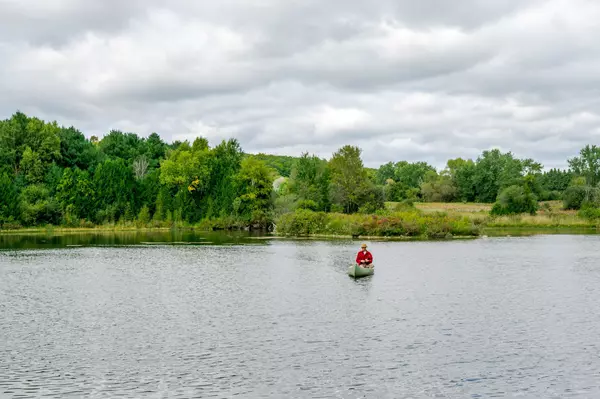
408 223
350 187
50 174
76 151
438 188
589 211
398 191
515 199
254 186
281 163
373 199
495 171
576 196
310 181
412 174
462 174
76 192
587 164
144 216
556 180
385 173
9 198
37 207
224 163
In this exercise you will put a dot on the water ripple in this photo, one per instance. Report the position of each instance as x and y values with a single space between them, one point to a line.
487 318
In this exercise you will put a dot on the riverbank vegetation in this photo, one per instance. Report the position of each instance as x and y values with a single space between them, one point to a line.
52 175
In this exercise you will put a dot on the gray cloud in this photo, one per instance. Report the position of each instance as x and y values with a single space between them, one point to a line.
428 80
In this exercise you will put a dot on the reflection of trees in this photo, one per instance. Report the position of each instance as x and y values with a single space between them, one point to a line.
121 238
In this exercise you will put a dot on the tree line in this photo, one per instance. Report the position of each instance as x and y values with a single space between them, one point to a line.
50 174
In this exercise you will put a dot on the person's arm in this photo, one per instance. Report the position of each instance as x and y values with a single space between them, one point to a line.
370 257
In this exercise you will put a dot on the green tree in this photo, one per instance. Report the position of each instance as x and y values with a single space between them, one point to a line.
438 188
187 174
556 179
412 174
32 166
52 178
348 178
119 145
517 199
155 149
514 200
495 171
37 207
76 150
76 192
385 173
147 190
144 216
114 187
577 196
254 183
398 191
310 181
9 198
373 199
281 163
19 133
225 162
587 164
182 167
462 173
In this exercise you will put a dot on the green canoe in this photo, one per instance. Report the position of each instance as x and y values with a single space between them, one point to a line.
357 271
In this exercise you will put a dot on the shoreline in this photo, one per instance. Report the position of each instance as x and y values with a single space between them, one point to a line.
492 231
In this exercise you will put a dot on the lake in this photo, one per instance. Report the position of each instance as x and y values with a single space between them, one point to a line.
181 315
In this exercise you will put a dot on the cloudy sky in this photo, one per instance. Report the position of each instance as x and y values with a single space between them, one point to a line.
404 80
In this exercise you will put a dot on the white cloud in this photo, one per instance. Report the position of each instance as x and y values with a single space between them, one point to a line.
331 120
404 80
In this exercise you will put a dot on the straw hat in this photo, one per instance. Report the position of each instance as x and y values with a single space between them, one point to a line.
363 246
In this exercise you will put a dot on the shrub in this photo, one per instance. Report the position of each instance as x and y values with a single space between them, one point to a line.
301 223
409 223
373 200
405 206
144 216
514 200
575 196
308 204
589 211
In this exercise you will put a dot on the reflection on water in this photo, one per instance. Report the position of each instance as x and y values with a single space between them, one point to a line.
120 238
496 317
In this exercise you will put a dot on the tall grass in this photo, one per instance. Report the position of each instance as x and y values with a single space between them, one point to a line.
405 223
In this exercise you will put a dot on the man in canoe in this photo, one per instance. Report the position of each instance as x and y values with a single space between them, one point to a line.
364 257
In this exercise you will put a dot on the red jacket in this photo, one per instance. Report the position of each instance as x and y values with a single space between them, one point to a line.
364 256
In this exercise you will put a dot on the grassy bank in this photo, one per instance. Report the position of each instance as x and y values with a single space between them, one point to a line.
90 229
424 220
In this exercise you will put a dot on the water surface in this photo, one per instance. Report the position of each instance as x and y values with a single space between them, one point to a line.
497 317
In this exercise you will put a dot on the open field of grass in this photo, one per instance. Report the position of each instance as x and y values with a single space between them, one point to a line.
550 215
546 207
459 207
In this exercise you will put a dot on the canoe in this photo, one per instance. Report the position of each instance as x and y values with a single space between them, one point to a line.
357 271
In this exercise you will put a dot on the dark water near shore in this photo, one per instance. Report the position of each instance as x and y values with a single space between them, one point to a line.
220 316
